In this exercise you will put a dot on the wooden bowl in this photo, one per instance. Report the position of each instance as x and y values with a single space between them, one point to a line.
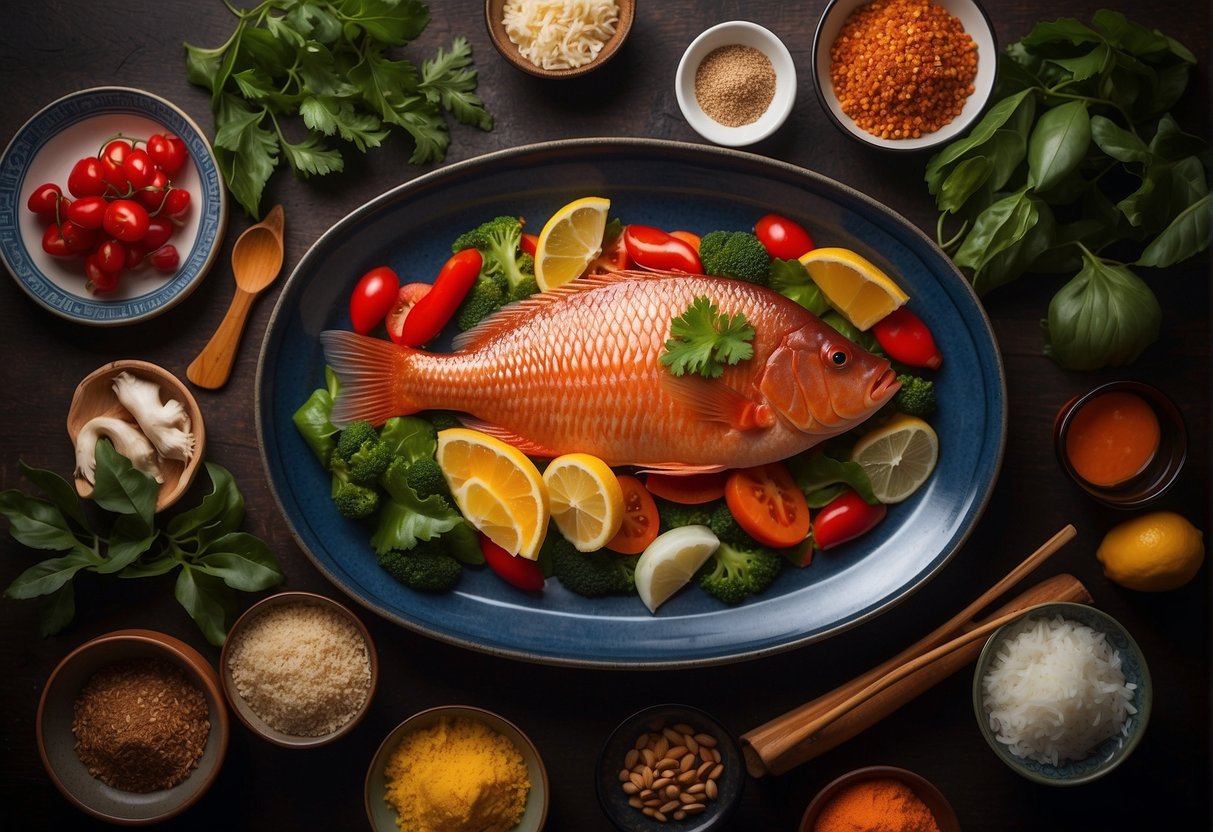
95 397
494 13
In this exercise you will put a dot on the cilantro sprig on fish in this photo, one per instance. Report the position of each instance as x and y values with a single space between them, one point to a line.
703 340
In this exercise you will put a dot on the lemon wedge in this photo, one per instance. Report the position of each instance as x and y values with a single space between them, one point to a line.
570 241
898 457
671 561
586 500
497 488
853 285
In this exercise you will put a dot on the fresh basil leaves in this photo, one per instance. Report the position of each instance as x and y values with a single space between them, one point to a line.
204 543
1077 162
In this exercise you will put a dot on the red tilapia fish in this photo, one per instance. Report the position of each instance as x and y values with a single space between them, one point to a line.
577 369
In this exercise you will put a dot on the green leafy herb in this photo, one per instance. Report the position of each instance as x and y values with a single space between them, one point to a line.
703 341
822 476
330 63
204 542
1078 159
791 279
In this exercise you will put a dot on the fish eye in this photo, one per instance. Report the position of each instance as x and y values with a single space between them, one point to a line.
836 357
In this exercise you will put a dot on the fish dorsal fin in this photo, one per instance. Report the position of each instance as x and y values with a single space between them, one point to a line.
512 315
715 401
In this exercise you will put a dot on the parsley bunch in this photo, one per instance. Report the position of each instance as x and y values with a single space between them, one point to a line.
329 62
703 340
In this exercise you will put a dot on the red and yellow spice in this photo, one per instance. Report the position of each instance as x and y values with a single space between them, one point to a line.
902 68
881 804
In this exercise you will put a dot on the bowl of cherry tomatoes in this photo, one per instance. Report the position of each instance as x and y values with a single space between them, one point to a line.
113 206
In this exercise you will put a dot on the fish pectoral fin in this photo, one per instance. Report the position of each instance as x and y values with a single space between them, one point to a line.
714 401
527 446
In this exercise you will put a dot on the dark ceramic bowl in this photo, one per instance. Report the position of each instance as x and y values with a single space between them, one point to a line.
1163 469
494 13
57 742
242 709
612 759
925 790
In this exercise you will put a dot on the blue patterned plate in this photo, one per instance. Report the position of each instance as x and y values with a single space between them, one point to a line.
44 150
670 185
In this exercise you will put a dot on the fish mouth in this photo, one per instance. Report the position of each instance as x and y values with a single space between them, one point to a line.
885 386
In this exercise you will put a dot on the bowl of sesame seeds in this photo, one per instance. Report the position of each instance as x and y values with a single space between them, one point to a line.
736 83
904 74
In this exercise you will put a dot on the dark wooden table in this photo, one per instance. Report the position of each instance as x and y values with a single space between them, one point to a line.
51 49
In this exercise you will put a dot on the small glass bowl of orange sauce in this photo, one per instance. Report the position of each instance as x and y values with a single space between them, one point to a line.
1124 442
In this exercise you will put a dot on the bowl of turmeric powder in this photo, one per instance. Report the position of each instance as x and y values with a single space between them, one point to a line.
457 767
904 74
880 797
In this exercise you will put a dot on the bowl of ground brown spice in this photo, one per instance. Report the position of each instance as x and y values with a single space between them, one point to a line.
736 83
132 727
904 74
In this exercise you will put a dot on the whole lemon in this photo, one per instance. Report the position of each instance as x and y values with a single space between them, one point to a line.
1154 552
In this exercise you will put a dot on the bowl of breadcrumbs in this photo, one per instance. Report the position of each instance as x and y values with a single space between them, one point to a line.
904 74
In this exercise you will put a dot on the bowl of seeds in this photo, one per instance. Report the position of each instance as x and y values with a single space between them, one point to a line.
132 727
670 766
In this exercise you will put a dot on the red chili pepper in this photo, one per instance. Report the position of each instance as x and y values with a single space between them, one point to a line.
516 571
652 248
844 518
905 338
432 312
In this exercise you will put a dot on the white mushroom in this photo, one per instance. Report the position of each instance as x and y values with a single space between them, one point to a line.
127 441
166 424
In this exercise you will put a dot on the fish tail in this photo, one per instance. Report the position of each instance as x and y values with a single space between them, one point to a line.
370 371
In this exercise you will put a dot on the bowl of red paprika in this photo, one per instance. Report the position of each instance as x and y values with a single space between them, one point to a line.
879 797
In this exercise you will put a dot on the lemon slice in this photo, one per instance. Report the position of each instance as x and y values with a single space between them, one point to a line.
586 500
853 285
570 241
497 488
898 457
670 561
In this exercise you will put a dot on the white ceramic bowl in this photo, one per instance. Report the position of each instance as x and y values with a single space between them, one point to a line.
975 23
743 33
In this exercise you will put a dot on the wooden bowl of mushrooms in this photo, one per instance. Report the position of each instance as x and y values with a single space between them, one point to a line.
148 415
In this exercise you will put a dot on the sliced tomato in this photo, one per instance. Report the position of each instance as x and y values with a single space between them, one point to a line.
652 248
768 505
640 520
529 244
515 571
406 298
614 257
844 518
691 490
431 313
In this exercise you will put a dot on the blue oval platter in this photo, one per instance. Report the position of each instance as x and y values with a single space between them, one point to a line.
670 185
45 149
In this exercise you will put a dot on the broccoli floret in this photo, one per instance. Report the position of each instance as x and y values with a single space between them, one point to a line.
442 419
725 526
593 574
355 465
422 568
353 436
916 396
734 573
485 298
352 500
673 515
425 477
736 254
528 285
369 462
498 243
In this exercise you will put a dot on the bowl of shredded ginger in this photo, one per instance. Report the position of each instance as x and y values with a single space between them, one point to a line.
558 38
904 74
457 767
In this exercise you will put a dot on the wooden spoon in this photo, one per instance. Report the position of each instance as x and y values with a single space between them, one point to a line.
256 261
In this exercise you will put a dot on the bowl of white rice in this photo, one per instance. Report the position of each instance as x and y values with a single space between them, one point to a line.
1062 694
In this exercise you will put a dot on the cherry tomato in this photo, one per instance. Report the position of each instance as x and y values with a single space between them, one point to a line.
99 280
44 201
87 178
783 238
113 156
88 211
135 252
159 230
406 299
520 572
529 244
687 237
77 239
152 194
138 168
652 248
111 255
372 298
432 312
168 152
905 338
768 505
692 490
126 220
640 520
176 202
844 518
166 258
53 242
